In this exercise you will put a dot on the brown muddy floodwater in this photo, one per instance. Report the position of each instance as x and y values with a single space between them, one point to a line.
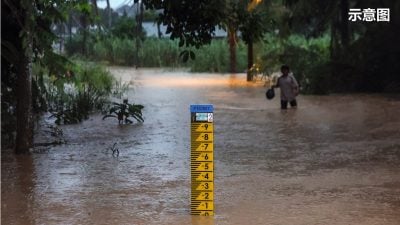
334 160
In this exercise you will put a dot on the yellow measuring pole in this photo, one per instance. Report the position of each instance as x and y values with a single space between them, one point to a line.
202 160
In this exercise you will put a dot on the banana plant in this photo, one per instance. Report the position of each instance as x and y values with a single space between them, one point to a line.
122 111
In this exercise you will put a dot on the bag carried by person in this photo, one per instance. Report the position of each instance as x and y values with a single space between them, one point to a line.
270 94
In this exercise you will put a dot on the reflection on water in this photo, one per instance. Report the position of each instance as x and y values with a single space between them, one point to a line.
334 160
17 189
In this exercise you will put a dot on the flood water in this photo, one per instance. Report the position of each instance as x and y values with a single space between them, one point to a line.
333 160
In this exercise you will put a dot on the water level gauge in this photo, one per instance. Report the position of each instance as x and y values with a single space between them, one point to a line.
202 160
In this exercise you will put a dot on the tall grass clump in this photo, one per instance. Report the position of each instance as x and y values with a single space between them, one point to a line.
71 96
155 52
159 53
114 50
215 57
211 58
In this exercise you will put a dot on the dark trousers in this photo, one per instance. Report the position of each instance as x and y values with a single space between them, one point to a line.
284 104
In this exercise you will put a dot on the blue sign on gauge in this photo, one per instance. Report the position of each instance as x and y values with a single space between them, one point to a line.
201 108
202 113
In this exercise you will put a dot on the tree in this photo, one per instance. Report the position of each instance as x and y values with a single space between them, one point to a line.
109 10
139 22
354 47
85 13
252 27
28 38
126 27
313 18
193 24
232 41
248 18
18 57
231 22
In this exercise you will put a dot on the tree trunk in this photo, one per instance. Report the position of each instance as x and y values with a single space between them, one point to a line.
344 23
94 2
84 25
24 138
139 21
159 29
70 26
232 49
249 59
109 14
96 13
335 39
61 36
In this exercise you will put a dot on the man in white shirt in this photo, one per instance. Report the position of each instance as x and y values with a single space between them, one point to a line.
289 88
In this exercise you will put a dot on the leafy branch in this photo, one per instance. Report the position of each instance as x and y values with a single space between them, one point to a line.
122 111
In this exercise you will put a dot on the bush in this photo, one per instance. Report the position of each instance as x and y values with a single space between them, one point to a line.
122 112
307 58
75 45
370 63
72 97
125 27
356 68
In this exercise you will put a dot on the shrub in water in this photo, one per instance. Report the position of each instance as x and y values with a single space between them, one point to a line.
122 111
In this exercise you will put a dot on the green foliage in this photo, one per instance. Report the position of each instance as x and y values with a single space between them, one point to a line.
126 27
215 57
310 36
253 24
94 81
119 89
150 15
118 51
84 89
73 46
310 18
159 53
192 24
73 111
307 58
186 54
84 7
111 49
123 51
374 68
166 53
28 38
363 55
122 111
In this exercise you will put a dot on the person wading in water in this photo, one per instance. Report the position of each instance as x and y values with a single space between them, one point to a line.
289 88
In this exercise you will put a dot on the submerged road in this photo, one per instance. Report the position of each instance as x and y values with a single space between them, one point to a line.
334 160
